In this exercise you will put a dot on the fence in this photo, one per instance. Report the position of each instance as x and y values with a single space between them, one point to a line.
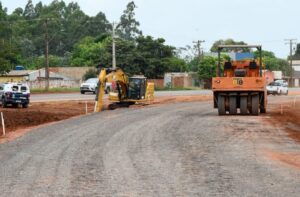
158 83
55 84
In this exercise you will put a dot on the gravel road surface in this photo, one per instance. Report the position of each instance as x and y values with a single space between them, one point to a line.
181 149
90 96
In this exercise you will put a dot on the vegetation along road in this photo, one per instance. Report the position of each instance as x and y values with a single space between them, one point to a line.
182 149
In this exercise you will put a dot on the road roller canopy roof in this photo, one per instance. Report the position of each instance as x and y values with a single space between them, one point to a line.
220 47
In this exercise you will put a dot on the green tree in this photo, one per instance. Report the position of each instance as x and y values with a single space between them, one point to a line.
297 53
273 63
97 26
89 53
276 64
207 67
147 56
91 73
214 48
264 53
5 64
175 64
153 56
29 11
7 49
128 26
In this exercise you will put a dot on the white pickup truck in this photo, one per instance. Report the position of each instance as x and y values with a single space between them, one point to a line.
14 94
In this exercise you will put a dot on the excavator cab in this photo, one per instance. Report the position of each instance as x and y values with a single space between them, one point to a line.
137 88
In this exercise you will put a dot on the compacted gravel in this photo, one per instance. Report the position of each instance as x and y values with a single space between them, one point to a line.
181 149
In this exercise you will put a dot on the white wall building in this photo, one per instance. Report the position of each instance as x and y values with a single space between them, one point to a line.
296 65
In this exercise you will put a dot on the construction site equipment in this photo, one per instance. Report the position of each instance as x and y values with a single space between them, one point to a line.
240 84
126 90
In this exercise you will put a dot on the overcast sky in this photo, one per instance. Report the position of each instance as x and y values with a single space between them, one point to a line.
180 22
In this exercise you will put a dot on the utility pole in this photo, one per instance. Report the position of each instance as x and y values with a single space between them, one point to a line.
114 64
198 46
291 42
46 56
10 40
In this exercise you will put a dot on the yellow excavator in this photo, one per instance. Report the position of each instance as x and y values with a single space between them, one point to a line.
125 91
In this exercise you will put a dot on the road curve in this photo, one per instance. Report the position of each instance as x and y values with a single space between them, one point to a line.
182 149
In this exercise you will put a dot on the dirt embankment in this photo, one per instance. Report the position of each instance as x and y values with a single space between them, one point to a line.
19 121
40 113
287 116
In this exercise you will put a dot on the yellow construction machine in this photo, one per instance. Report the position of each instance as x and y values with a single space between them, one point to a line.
125 91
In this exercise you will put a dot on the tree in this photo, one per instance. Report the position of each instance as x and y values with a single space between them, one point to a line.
154 56
29 12
297 53
207 67
7 57
18 12
271 62
7 49
175 64
264 53
276 64
214 48
128 26
89 53
80 40
5 65
91 73
97 26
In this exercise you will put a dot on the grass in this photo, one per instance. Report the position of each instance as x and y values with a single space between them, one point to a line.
177 88
55 90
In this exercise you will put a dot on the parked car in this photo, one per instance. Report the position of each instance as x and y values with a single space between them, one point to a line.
277 88
283 82
91 84
14 94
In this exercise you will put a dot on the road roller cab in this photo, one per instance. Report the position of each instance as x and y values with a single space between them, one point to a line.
240 85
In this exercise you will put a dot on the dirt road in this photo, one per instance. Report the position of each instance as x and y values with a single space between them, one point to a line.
181 149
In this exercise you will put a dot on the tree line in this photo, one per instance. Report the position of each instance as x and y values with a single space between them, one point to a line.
76 39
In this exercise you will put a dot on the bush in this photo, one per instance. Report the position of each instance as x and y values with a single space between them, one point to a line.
91 73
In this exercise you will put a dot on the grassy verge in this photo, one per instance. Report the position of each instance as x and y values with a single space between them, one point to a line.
55 90
177 88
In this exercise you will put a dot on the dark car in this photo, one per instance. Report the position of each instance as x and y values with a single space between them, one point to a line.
14 94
